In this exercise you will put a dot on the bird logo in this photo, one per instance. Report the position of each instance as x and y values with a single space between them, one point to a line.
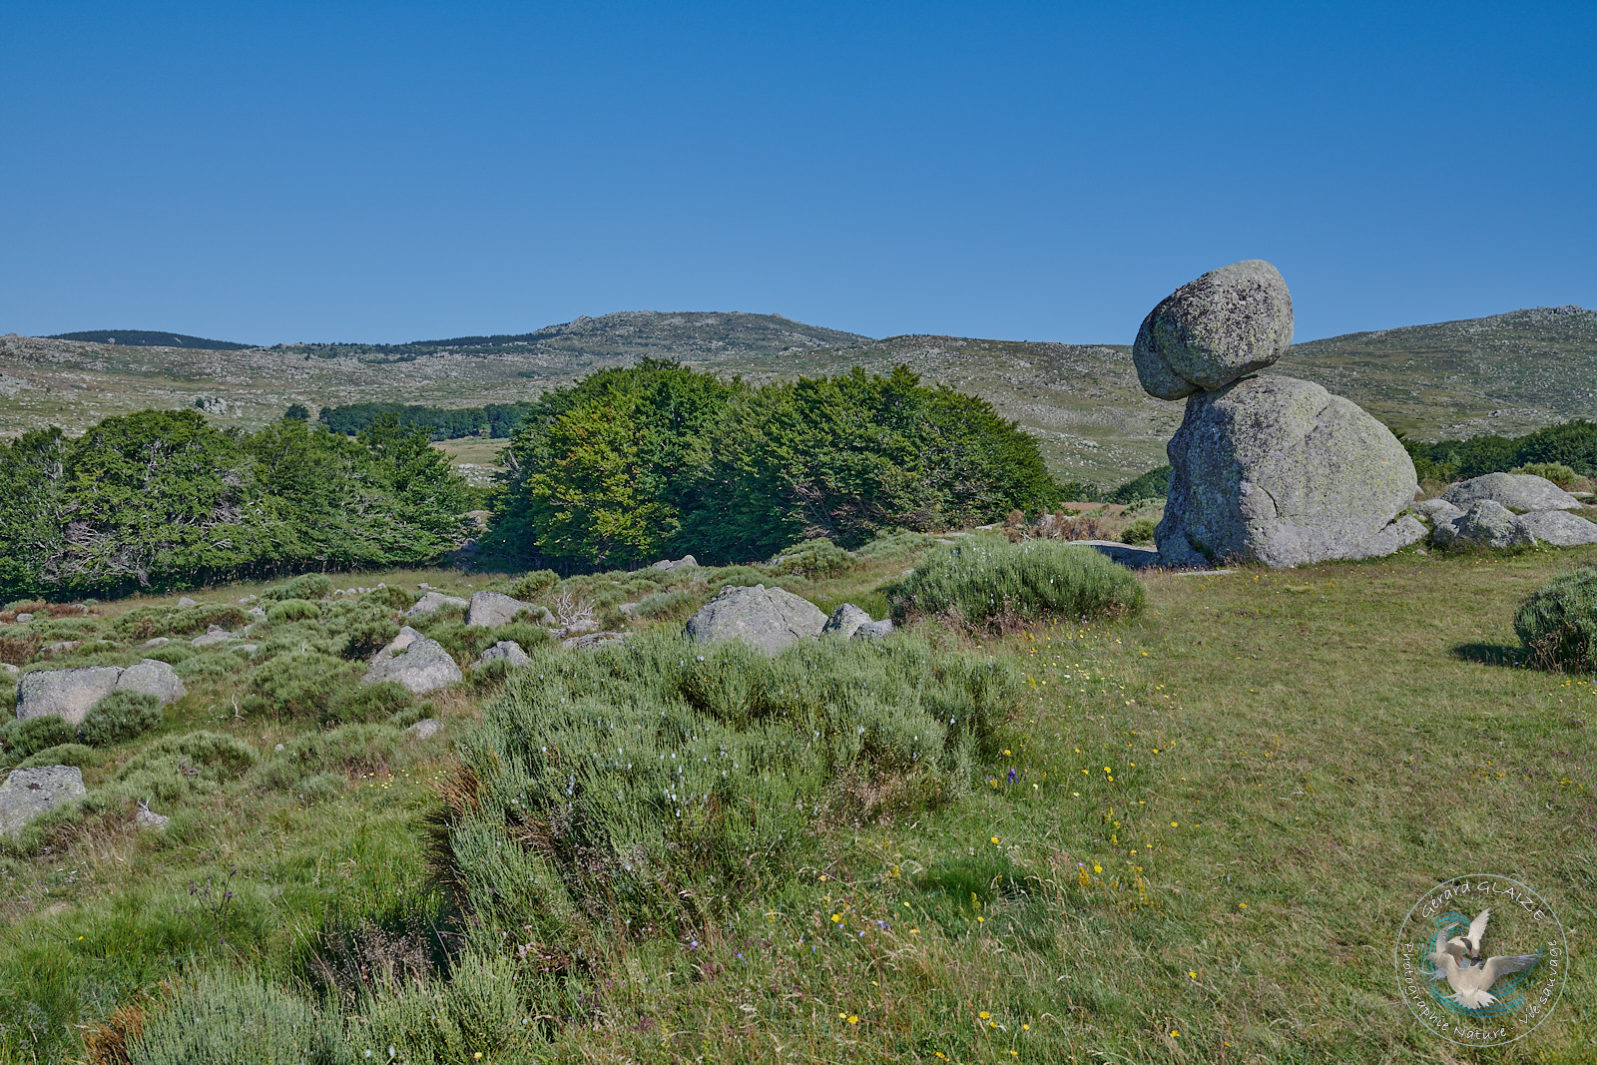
1457 959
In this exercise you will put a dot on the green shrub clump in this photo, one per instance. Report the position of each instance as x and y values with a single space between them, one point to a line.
529 586
19 739
989 583
1558 473
1139 531
221 1015
174 767
293 610
1558 623
361 628
299 684
310 586
633 785
120 716
815 559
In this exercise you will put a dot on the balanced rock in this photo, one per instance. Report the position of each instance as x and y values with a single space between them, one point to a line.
31 793
845 621
1516 491
509 650
420 664
432 602
1557 528
69 693
1210 332
1280 471
1486 523
767 619
153 678
489 610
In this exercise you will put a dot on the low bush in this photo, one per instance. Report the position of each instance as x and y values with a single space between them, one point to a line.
1558 622
120 716
665 604
222 1015
630 786
530 586
389 598
815 559
19 739
148 622
293 610
896 545
174 767
441 1022
215 663
74 754
170 653
1558 473
367 702
1139 531
298 684
361 629
988 583
310 586
18 649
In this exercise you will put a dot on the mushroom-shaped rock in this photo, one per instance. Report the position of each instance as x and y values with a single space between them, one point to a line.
153 678
31 793
489 610
768 619
1225 325
1516 491
432 602
69 693
420 664
1280 471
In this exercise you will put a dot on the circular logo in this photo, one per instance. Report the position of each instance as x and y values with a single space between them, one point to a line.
1481 960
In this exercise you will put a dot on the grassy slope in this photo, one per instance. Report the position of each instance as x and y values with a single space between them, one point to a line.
1256 780
1509 373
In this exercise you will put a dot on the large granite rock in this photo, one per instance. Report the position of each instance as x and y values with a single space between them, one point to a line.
1557 528
1277 470
1487 523
28 794
433 602
154 678
489 610
766 618
70 693
1516 491
1210 332
420 664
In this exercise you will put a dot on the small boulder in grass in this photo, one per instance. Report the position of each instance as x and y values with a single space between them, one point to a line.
28 794
489 610
420 664
508 650
767 619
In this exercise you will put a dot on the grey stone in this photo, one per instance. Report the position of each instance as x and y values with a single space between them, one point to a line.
1436 511
432 602
420 664
1210 332
186 602
668 564
256 612
31 793
1486 523
1277 470
425 729
509 650
70 693
250 649
845 621
159 641
592 639
9 668
213 635
154 678
61 647
1559 528
874 630
1516 491
150 820
489 610
768 619
248 599
578 628
23 619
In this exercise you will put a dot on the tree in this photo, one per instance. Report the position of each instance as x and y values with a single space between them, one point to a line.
297 412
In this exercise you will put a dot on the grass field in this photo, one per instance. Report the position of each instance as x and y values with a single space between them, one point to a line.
1198 845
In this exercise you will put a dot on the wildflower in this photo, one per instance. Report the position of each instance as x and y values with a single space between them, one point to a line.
984 1015
853 1018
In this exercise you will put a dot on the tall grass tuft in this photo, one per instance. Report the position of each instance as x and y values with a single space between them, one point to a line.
1558 623
217 1015
988 583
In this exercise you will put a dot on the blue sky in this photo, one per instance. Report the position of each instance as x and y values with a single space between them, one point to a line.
339 171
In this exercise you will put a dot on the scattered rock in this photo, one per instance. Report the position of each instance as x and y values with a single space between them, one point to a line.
768 619
592 639
70 693
61 647
23 619
845 621
149 819
433 602
1280 471
420 664
248 599
213 635
159 641
1516 491
31 793
256 612
489 610
9 668
154 678
250 649
1210 332
1558 528
186 602
506 649
874 630
578 628
668 564
1487 523
1436 511
425 729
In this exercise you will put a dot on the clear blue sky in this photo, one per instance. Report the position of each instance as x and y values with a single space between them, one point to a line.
282 171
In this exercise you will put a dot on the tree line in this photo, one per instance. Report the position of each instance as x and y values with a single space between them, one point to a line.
496 420
1571 443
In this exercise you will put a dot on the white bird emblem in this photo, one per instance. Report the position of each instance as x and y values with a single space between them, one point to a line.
1458 961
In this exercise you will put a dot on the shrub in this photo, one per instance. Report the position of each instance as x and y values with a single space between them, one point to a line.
361 629
310 586
815 559
1558 623
390 598
368 702
441 1022
22 738
300 684
75 754
147 622
1556 472
665 604
293 610
987 583
175 767
530 586
220 663
120 716
1155 484
170 653
1139 531
19 650
219 1015
896 545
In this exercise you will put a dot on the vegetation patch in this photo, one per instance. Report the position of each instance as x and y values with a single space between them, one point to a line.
987 583
1557 624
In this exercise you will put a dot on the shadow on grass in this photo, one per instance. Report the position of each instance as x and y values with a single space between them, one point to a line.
1491 654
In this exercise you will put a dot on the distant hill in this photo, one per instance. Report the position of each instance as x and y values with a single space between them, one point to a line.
1508 374
144 338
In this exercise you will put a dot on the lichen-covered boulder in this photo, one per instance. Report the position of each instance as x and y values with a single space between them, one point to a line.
420 664
1486 523
509 650
768 619
1210 332
28 794
70 693
845 621
489 610
874 630
1436 511
153 678
1276 470
1516 491
432 602
1557 528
